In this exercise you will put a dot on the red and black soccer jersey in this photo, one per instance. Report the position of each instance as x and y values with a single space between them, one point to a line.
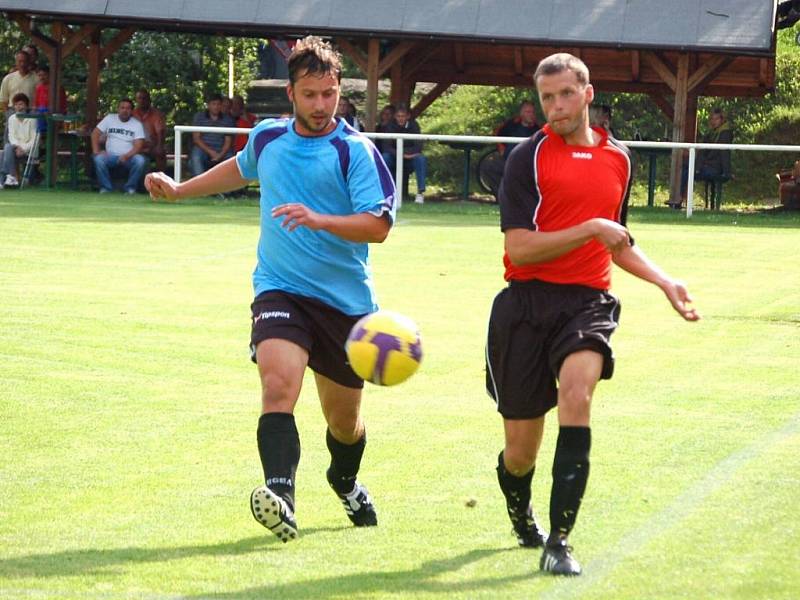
549 185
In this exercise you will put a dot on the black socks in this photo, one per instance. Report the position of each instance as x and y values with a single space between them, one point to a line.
345 462
517 490
279 449
570 473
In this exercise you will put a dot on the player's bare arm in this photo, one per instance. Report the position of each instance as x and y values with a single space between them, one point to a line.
525 246
224 177
636 262
362 227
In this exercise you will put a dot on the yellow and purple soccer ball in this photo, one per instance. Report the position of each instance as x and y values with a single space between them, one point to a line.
384 348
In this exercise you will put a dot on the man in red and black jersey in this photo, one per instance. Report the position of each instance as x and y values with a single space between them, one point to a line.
563 205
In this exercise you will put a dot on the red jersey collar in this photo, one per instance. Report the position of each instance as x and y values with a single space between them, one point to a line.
560 140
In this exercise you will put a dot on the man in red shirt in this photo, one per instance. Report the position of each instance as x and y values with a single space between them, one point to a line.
155 128
563 204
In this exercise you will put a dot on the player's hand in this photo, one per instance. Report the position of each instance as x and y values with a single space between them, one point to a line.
611 234
297 214
161 186
679 297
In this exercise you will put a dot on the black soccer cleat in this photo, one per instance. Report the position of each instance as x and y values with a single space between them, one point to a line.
274 513
357 504
557 559
529 533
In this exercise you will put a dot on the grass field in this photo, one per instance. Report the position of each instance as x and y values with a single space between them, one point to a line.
128 410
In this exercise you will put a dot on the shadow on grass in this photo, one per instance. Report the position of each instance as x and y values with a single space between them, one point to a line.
421 579
103 560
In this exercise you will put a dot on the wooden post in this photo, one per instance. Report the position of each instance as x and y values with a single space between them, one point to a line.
678 124
93 62
373 58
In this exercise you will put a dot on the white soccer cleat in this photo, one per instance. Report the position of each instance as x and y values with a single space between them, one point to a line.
272 512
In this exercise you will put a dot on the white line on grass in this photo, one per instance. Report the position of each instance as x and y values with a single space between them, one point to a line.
596 570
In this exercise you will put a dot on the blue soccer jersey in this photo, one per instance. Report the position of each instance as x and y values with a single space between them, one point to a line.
341 173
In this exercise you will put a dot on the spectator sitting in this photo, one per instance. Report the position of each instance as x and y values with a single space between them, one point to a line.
412 149
210 149
242 119
124 139
387 116
522 125
600 116
21 135
715 164
226 106
711 165
155 129
346 110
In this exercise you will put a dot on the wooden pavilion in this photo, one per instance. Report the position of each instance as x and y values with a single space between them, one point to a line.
672 51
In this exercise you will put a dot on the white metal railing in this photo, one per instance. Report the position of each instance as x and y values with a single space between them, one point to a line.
492 139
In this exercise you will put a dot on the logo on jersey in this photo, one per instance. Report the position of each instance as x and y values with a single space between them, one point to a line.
582 155
272 314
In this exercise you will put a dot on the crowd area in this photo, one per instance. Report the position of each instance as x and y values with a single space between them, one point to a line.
131 141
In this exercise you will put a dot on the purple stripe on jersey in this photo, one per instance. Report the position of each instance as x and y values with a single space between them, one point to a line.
344 155
265 137
387 183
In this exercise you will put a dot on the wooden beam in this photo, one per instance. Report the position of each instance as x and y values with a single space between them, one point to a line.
660 67
690 126
373 58
458 56
763 72
428 99
662 103
418 59
678 125
354 53
707 72
636 64
518 63
394 55
397 93
116 42
94 63
76 38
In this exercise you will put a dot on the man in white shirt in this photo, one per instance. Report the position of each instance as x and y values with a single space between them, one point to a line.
21 135
124 139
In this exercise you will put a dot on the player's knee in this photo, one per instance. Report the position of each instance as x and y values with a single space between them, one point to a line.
345 427
519 460
575 399
278 392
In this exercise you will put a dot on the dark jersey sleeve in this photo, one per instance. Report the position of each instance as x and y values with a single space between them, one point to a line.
623 207
519 195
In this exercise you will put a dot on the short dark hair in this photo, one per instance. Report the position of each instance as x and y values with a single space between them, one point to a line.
313 56
213 97
718 111
128 100
558 63
43 68
21 98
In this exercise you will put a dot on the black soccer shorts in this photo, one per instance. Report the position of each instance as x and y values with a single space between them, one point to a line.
319 328
533 327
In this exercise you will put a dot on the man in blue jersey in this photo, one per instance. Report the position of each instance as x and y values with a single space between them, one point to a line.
325 194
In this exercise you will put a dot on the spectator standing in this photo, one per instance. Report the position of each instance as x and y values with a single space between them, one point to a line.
20 81
242 119
386 118
42 97
21 134
155 129
124 139
210 149
412 149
